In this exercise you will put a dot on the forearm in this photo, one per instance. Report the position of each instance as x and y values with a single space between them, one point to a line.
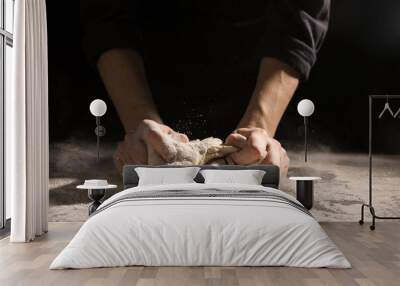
275 87
123 75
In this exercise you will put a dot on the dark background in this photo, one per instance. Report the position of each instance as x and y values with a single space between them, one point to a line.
361 56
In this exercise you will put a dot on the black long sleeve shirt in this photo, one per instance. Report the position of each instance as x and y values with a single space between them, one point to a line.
225 34
202 57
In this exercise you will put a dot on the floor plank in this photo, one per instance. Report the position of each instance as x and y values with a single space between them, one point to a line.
375 257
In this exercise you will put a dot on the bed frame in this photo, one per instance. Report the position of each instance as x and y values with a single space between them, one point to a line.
270 179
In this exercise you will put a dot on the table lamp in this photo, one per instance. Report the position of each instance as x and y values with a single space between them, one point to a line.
305 108
98 108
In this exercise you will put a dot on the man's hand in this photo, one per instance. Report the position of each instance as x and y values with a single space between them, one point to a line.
275 87
257 147
148 135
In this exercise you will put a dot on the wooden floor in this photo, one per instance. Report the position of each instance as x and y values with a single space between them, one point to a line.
375 257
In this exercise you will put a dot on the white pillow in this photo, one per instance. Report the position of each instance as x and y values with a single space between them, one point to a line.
163 176
248 177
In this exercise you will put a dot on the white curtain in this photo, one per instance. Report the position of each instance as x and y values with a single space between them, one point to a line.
27 144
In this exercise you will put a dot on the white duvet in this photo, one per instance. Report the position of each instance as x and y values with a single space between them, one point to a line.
200 231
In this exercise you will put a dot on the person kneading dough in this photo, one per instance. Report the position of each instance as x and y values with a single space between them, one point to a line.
212 68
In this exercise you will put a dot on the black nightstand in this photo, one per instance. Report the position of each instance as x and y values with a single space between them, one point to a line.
305 190
96 192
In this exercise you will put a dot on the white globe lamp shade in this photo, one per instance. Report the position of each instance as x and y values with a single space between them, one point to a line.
98 107
305 107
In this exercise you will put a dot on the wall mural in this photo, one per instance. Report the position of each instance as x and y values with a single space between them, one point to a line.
215 82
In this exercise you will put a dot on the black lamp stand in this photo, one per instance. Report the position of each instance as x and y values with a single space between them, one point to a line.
100 131
305 137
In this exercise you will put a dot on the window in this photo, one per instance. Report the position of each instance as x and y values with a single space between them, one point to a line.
6 62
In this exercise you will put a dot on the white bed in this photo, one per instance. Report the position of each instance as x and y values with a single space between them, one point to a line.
269 229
